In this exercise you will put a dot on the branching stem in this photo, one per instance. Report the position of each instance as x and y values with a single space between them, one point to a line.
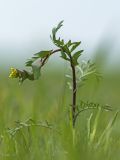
46 58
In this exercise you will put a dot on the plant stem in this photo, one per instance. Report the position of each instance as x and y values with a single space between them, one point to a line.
57 50
73 95
46 58
74 91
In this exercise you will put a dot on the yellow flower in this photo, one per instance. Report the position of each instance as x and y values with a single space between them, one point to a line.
14 73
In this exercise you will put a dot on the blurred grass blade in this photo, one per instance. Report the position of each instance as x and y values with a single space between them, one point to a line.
89 125
93 133
107 131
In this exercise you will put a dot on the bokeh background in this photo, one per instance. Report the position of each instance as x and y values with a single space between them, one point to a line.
25 28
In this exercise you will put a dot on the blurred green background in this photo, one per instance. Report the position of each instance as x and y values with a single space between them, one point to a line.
49 100
25 29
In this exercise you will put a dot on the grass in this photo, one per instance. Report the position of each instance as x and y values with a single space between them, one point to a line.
49 136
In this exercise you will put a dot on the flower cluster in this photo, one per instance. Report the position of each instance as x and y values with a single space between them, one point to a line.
14 73
21 75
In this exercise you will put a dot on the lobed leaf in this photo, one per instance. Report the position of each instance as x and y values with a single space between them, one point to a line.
43 54
64 56
55 29
75 45
76 56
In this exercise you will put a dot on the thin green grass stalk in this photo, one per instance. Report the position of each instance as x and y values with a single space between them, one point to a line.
25 141
92 135
16 146
89 126
73 135
107 131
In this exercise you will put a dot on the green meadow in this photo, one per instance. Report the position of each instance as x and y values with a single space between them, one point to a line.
34 118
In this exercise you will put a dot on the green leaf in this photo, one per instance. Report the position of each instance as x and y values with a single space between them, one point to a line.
55 29
30 61
36 69
66 49
75 45
60 24
76 56
75 62
59 42
43 54
69 43
64 56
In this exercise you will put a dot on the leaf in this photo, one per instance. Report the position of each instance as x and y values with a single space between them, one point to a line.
64 56
43 54
55 29
76 56
36 69
69 43
53 32
59 42
76 44
30 61
66 49
60 24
